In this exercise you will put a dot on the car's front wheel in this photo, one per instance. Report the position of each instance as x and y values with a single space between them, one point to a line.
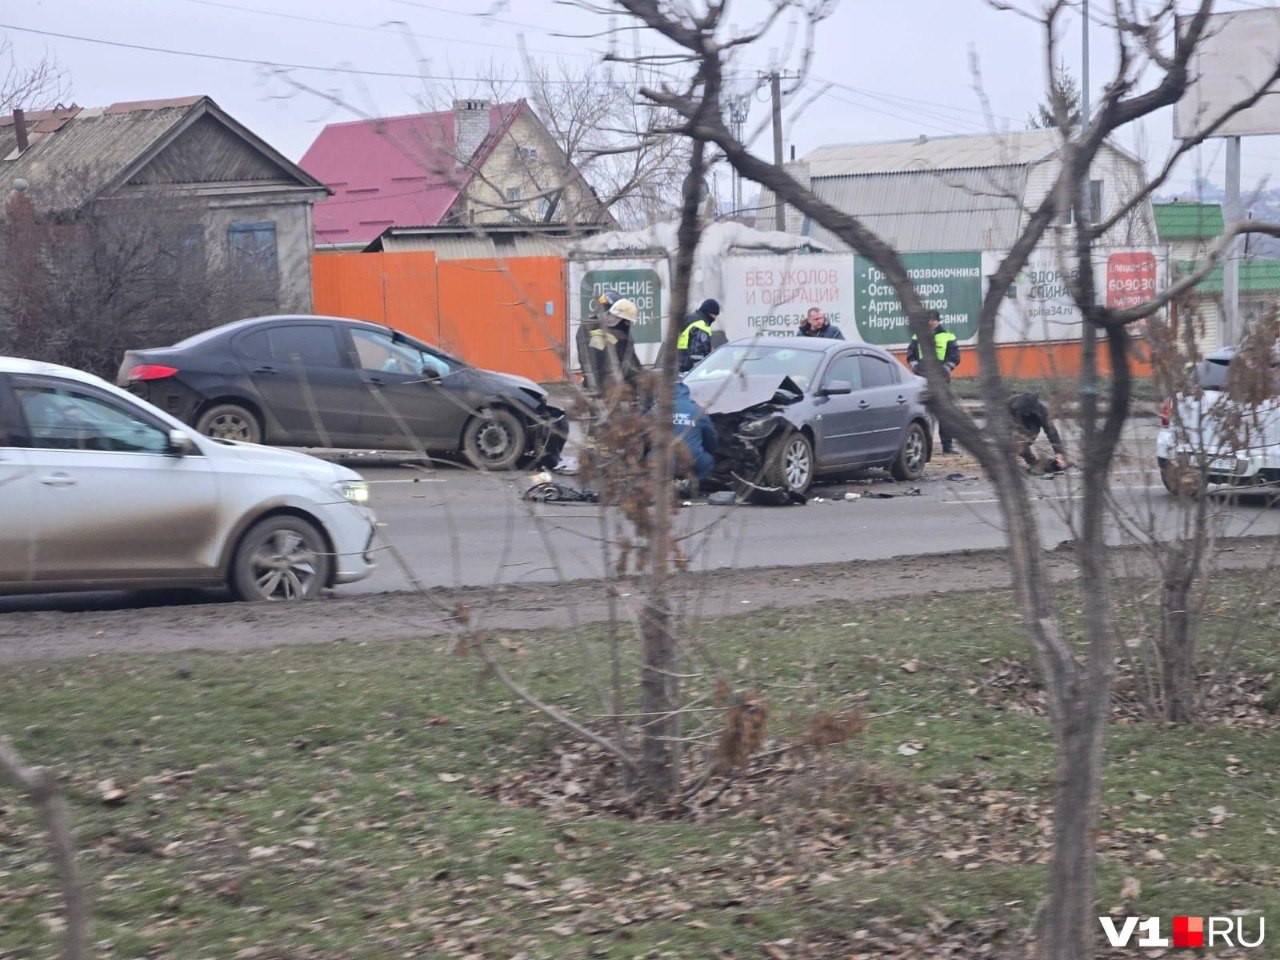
789 463
280 558
494 439
912 455
230 421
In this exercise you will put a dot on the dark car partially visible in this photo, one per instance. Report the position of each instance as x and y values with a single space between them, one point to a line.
310 381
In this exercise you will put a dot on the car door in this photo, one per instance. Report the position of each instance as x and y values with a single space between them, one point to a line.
110 503
405 392
840 420
17 493
305 379
884 400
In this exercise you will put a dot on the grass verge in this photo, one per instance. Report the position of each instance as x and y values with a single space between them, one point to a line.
354 801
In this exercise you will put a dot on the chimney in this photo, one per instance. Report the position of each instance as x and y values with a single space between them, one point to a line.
20 129
470 127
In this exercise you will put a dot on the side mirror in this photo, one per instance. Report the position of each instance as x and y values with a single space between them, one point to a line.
180 444
836 388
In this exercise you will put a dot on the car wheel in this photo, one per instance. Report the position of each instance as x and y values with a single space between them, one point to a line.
914 453
280 558
230 421
789 463
494 439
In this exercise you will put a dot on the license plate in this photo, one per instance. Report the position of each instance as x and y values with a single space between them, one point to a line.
1224 465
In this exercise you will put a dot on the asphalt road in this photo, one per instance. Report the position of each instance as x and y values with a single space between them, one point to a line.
456 528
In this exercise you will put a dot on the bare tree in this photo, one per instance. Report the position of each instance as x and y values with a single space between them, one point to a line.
80 287
30 87
620 142
1078 677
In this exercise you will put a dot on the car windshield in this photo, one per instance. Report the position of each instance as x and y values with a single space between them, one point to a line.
759 360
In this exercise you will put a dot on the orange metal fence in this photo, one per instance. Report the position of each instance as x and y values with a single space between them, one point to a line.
501 315
510 315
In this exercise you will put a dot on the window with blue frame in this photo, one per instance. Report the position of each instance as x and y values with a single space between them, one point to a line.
253 261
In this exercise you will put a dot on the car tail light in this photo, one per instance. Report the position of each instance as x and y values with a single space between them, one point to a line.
1166 411
151 371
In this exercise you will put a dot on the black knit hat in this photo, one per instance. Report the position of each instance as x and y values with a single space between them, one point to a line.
710 307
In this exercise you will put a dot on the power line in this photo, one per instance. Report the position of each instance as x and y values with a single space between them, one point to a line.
890 99
354 71
347 25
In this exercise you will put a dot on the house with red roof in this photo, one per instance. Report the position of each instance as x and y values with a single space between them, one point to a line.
481 163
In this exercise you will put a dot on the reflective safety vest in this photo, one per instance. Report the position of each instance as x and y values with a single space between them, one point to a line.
940 342
683 342
600 339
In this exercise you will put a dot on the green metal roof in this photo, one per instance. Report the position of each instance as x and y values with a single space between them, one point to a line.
1256 276
1188 221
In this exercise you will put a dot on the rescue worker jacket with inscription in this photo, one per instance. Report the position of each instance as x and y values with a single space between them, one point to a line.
694 428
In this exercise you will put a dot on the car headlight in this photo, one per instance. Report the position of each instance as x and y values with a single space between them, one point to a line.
755 429
355 491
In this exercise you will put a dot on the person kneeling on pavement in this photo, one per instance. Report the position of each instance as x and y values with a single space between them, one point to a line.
1030 417
693 427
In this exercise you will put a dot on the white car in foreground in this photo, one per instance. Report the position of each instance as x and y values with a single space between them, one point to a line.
102 491
1209 438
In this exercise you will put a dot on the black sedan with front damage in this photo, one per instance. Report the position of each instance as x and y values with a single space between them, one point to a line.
787 411
309 381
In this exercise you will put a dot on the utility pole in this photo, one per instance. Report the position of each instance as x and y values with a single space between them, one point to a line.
1233 212
1084 68
775 78
775 92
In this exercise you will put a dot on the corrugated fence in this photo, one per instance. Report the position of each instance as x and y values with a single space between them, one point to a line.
506 315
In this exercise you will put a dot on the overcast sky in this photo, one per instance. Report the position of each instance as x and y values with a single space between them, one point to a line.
899 68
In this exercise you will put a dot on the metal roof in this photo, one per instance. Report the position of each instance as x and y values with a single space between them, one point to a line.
77 153
468 246
1014 149
966 209
1256 276
394 171
1183 220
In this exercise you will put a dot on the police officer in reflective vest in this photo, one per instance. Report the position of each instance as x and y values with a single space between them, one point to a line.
694 344
948 353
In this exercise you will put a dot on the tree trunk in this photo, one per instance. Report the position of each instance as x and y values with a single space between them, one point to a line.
659 682
1069 931
1177 669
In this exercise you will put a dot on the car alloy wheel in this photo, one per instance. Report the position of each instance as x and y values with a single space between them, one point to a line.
913 451
797 464
281 558
228 421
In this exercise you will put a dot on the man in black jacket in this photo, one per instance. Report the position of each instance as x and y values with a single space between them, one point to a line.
694 344
1030 416
947 350
816 324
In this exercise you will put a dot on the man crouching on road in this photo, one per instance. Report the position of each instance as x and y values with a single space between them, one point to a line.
1030 417
693 427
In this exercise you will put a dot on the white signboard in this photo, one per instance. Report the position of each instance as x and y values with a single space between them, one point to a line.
644 282
1238 54
768 296
1039 307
